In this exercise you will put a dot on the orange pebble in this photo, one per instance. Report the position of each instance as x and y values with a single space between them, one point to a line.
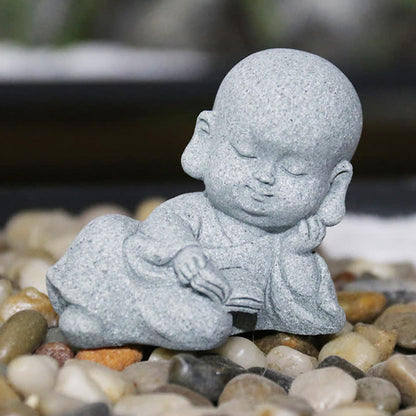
117 358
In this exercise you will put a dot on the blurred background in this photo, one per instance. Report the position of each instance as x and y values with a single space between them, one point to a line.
106 92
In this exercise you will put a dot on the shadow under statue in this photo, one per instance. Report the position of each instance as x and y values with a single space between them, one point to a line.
274 157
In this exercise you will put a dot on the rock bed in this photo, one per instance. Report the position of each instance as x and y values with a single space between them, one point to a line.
367 369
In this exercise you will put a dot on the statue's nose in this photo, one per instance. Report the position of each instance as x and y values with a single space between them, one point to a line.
265 175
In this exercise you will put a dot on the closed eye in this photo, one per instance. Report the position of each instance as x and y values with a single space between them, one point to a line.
243 154
294 172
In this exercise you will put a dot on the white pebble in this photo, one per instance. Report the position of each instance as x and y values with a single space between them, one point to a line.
74 381
33 274
32 374
5 289
58 246
243 352
354 348
290 361
147 375
325 388
98 210
51 404
150 404
110 381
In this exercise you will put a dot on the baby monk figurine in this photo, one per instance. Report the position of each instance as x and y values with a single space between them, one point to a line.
274 156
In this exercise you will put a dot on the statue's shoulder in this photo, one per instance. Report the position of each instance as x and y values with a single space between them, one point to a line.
188 204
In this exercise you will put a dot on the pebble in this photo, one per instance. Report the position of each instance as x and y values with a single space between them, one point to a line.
383 394
336 361
7 258
324 339
383 341
7 394
162 354
401 371
341 279
33 274
111 382
21 334
52 404
18 409
402 319
296 342
5 290
194 398
383 271
284 406
32 374
74 381
94 409
354 348
203 376
150 404
243 352
290 361
281 379
148 376
30 230
29 298
325 388
357 409
145 208
57 350
361 306
251 388
117 358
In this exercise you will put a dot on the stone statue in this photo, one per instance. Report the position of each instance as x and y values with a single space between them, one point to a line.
274 157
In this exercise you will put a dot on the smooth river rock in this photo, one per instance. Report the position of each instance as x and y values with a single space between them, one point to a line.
361 306
336 361
354 348
290 361
325 388
148 375
251 388
21 334
279 378
203 376
379 391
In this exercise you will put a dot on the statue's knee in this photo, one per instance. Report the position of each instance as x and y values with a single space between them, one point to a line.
215 330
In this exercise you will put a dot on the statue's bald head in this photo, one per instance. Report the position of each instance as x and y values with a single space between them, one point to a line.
304 96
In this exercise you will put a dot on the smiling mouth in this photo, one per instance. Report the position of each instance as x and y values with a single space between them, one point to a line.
259 196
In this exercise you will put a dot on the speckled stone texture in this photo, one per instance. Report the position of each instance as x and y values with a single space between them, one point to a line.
274 157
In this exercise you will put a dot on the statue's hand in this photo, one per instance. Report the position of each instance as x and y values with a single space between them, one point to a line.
193 268
305 236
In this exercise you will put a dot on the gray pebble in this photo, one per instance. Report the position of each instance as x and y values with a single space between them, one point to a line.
94 409
336 361
206 376
21 334
382 393
279 378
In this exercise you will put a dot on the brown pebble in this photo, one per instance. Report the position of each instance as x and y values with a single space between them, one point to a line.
361 306
410 411
29 298
384 341
341 279
404 323
296 342
250 387
58 350
195 398
117 358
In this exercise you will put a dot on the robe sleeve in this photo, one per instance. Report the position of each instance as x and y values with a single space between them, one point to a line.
170 228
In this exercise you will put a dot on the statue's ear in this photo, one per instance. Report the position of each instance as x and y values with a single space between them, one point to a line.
332 208
195 156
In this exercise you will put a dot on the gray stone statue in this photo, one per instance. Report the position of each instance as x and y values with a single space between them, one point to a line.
274 157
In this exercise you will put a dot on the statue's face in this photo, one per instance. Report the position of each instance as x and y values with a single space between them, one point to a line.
265 177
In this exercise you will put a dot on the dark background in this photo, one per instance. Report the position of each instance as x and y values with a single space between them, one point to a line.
119 129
